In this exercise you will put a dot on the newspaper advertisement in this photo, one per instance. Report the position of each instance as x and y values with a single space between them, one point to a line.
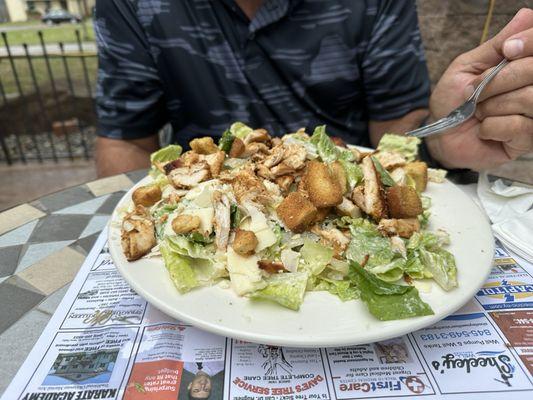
261 371
106 342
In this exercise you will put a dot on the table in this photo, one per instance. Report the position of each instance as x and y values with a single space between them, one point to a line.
42 245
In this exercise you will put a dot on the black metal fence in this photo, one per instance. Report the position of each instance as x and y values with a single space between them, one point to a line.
46 100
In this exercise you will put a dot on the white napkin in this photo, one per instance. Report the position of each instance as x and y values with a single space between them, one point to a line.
510 209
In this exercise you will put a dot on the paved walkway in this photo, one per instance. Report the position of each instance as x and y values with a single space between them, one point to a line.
33 180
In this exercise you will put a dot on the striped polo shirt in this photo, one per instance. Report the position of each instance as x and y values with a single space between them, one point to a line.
202 64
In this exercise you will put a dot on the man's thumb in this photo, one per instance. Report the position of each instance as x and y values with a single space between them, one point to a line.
492 51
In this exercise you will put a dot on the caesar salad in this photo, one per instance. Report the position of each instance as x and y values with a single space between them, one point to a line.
272 218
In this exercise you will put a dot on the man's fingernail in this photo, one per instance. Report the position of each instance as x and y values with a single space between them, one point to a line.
513 48
468 91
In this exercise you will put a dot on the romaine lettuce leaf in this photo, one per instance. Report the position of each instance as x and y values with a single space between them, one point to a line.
366 240
354 174
424 217
273 252
240 130
389 272
302 140
441 264
197 237
414 267
226 141
385 177
161 180
405 145
286 289
327 150
157 212
315 256
168 153
165 154
236 130
187 247
387 301
426 249
179 268
344 289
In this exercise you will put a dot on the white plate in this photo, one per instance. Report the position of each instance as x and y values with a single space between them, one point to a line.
323 320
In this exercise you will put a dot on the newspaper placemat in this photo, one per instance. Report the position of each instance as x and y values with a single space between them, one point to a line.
106 342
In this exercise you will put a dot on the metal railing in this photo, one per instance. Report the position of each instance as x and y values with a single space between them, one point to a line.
45 93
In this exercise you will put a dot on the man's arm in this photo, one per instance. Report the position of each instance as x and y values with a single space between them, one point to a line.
130 104
394 71
114 156
404 124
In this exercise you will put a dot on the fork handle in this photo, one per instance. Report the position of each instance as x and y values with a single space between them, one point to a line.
487 79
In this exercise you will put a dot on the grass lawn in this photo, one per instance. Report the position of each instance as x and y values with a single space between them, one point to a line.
20 23
57 33
58 70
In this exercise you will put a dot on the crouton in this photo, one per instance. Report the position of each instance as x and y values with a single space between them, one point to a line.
403 202
375 204
244 242
146 195
418 170
322 186
185 223
340 175
321 214
296 212
401 227
237 148
347 208
203 145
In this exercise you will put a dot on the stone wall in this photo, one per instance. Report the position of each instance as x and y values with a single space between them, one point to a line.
451 27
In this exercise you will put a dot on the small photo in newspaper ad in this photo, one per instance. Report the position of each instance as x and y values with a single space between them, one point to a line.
517 328
105 299
257 371
465 354
509 286
176 361
389 368
90 364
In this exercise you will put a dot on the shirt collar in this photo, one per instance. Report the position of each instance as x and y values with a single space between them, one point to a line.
270 12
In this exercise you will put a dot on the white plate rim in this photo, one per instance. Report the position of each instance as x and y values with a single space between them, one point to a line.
282 339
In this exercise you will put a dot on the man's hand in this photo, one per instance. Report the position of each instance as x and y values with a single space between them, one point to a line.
114 156
502 129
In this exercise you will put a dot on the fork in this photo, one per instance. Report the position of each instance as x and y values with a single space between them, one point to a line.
461 113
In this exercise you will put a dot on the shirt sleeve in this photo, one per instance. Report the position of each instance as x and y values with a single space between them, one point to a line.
394 68
129 97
